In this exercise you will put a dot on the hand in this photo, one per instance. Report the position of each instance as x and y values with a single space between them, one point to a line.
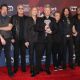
46 27
75 34
13 40
3 41
27 44
49 31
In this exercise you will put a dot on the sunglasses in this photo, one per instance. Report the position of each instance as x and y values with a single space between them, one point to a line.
21 8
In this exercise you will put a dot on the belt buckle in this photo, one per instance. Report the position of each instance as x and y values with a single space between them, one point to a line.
67 36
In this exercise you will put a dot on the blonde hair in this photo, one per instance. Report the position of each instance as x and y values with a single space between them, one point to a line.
47 6
30 12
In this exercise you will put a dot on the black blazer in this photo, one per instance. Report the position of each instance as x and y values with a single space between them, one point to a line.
16 26
30 32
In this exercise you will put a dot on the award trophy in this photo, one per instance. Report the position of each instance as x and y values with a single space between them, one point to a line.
47 22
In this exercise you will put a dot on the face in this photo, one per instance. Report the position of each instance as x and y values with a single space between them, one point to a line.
57 16
47 11
4 11
66 12
20 9
34 11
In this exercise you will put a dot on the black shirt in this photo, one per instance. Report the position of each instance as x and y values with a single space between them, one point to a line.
21 29
67 26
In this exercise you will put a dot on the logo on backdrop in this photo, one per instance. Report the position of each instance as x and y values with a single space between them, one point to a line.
10 8
73 8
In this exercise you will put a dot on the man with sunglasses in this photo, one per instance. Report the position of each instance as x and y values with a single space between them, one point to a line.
18 39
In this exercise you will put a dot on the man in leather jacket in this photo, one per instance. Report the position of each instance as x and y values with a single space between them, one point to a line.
18 39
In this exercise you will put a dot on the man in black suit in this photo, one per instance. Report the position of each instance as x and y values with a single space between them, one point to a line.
31 36
18 21
46 29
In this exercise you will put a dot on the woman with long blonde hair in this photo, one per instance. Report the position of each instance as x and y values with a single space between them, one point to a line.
31 39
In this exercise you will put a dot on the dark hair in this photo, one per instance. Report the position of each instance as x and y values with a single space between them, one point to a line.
62 14
4 5
57 12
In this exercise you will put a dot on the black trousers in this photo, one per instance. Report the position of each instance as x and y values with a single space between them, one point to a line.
67 44
40 51
7 54
48 49
44 47
77 49
32 55
57 53
19 49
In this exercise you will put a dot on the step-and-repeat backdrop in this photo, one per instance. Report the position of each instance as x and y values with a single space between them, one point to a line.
56 5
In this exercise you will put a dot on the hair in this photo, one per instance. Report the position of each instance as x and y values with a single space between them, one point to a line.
19 5
30 12
4 5
57 12
62 14
47 6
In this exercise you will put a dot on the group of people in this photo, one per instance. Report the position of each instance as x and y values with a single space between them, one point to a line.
58 36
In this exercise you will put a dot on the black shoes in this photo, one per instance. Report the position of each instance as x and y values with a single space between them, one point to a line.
55 68
72 67
11 74
33 74
15 70
48 72
64 67
24 70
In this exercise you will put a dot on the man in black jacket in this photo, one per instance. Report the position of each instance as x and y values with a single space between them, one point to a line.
46 30
76 21
67 24
31 36
18 21
5 32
